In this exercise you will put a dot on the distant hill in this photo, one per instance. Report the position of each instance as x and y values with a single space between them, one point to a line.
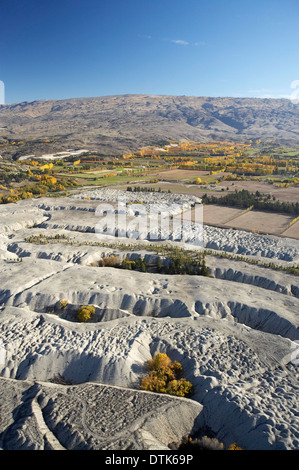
117 124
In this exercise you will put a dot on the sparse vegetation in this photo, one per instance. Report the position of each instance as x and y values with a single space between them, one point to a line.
204 443
42 239
164 251
110 261
60 380
145 189
294 269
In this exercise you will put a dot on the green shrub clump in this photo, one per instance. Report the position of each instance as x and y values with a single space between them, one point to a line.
85 312
165 376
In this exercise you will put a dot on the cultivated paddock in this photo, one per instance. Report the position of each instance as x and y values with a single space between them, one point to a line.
254 221
293 231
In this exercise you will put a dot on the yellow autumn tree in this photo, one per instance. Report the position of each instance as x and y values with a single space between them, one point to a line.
85 312
165 377
49 179
47 166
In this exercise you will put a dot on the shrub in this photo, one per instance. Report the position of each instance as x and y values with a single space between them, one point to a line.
63 303
165 377
59 379
234 446
203 443
181 388
84 313
110 261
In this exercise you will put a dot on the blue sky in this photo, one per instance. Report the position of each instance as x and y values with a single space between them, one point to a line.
73 48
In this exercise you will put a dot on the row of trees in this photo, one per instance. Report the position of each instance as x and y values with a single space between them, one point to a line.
145 189
175 262
245 199
179 263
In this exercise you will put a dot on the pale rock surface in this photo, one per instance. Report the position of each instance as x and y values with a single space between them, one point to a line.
235 333
90 417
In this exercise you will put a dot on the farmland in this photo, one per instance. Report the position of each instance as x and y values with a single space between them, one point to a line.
256 221
215 169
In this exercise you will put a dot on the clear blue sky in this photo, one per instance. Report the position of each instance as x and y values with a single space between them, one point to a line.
78 48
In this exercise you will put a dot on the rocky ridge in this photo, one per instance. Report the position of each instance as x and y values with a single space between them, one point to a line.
120 124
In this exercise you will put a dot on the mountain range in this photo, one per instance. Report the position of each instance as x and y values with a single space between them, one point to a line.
122 123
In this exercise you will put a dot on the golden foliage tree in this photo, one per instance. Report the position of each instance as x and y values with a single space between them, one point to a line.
165 377
85 312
